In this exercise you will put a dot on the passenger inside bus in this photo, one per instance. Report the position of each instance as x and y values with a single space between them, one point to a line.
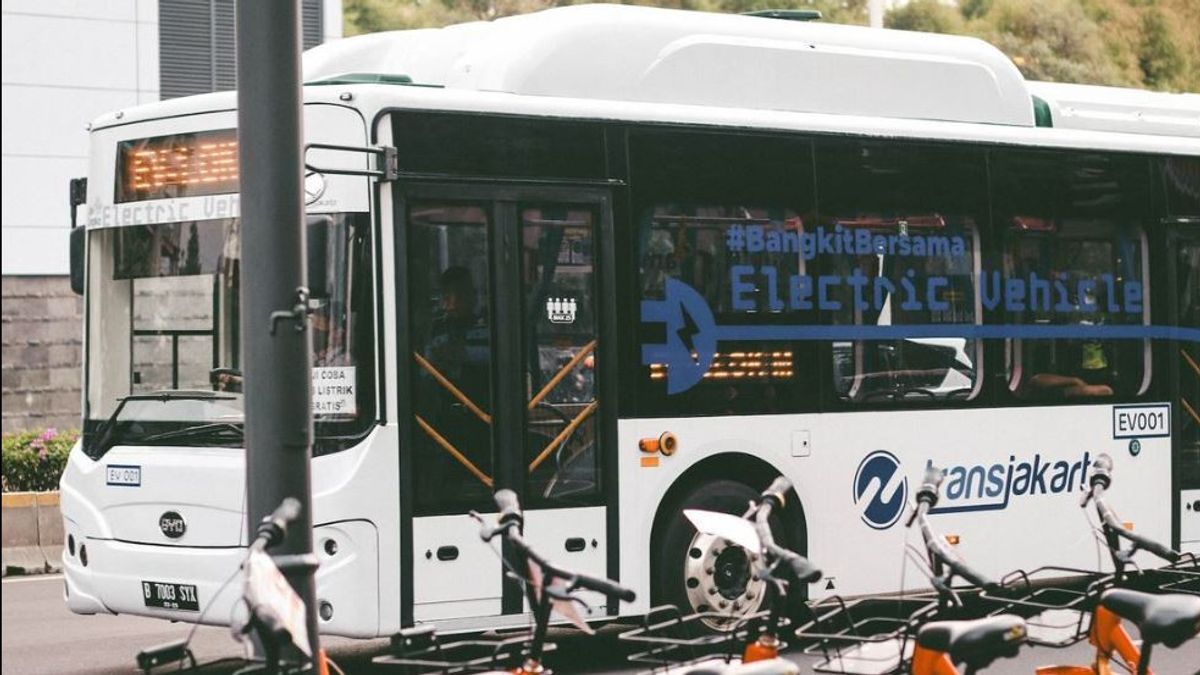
1079 367
458 342
458 351
329 346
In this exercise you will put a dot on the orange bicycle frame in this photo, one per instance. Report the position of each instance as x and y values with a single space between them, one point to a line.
931 662
1108 635
762 649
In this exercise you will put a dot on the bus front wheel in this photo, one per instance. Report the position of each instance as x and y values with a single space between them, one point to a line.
700 573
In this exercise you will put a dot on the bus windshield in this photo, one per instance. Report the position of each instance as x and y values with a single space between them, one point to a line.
164 359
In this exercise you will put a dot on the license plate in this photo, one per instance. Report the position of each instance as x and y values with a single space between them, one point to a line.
170 596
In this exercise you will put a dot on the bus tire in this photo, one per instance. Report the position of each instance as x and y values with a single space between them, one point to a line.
699 573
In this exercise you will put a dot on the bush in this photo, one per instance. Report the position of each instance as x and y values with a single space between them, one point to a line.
33 460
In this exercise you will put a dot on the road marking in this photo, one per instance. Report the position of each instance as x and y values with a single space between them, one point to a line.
36 577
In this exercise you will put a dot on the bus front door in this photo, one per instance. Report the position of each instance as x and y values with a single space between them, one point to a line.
504 302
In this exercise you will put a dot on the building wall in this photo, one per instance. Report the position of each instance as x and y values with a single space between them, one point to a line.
64 63
41 348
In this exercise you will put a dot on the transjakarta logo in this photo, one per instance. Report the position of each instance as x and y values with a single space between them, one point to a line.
880 490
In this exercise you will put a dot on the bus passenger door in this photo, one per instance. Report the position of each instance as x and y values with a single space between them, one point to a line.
447 452
564 364
1184 245
503 305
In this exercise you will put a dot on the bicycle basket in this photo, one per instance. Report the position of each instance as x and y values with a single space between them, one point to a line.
866 636
419 650
1182 576
670 638
1056 602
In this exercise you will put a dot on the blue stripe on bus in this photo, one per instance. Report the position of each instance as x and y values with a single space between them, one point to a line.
1015 331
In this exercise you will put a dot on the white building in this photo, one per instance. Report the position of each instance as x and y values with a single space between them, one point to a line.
64 63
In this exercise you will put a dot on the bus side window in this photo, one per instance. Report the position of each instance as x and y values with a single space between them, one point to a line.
740 284
904 250
720 224
1066 224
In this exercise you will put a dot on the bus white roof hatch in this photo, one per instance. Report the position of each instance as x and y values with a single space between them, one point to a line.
628 53
1078 106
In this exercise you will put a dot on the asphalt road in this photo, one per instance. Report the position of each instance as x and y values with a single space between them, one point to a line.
41 636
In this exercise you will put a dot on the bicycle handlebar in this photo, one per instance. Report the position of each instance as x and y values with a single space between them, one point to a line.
601 585
273 528
1115 526
510 507
772 498
1101 480
939 550
509 526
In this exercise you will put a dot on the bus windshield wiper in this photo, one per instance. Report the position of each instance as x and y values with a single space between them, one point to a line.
106 432
216 431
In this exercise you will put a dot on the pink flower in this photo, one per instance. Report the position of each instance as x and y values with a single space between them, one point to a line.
49 434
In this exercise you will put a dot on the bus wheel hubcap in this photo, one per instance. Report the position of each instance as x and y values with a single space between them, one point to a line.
719 578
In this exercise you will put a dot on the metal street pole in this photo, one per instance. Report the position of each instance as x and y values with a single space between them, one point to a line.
276 350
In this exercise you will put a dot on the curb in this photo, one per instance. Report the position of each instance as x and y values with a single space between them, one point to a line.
32 533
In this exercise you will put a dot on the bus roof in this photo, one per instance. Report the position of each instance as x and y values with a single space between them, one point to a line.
670 66
1078 106
653 55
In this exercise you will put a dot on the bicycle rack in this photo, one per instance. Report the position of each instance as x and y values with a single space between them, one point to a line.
673 640
870 635
418 650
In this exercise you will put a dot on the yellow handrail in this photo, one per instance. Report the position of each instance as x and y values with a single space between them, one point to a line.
1191 411
1187 357
454 391
562 372
449 447
562 435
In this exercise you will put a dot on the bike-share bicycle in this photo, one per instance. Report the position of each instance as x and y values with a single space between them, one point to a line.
925 633
1163 603
748 645
548 588
275 615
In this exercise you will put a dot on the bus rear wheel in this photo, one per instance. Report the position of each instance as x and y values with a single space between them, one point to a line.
700 573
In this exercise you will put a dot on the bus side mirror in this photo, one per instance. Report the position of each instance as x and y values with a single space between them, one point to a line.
318 256
78 253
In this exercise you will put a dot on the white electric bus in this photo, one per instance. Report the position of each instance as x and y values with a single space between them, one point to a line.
626 261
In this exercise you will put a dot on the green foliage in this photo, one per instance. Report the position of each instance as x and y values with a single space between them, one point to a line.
1159 56
1141 43
927 16
369 16
973 9
33 460
1051 40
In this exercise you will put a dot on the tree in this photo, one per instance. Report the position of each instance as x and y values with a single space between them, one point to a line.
927 16
1159 56
1050 40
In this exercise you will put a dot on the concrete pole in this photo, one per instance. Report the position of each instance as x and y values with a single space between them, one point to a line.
276 350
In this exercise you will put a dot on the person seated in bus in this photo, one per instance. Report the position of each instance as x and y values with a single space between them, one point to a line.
329 338
458 343
1085 370
458 349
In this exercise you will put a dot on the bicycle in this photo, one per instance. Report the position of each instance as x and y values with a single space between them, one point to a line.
921 634
1168 619
276 614
548 589
752 645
